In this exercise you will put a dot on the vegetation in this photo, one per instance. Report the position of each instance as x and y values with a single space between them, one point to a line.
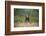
20 15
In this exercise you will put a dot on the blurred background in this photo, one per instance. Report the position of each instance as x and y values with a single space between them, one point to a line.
26 17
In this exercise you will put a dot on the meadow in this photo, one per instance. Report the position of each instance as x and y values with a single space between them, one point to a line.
20 17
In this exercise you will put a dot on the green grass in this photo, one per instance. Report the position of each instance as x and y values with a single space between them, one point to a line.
19 19
22 19
33 19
